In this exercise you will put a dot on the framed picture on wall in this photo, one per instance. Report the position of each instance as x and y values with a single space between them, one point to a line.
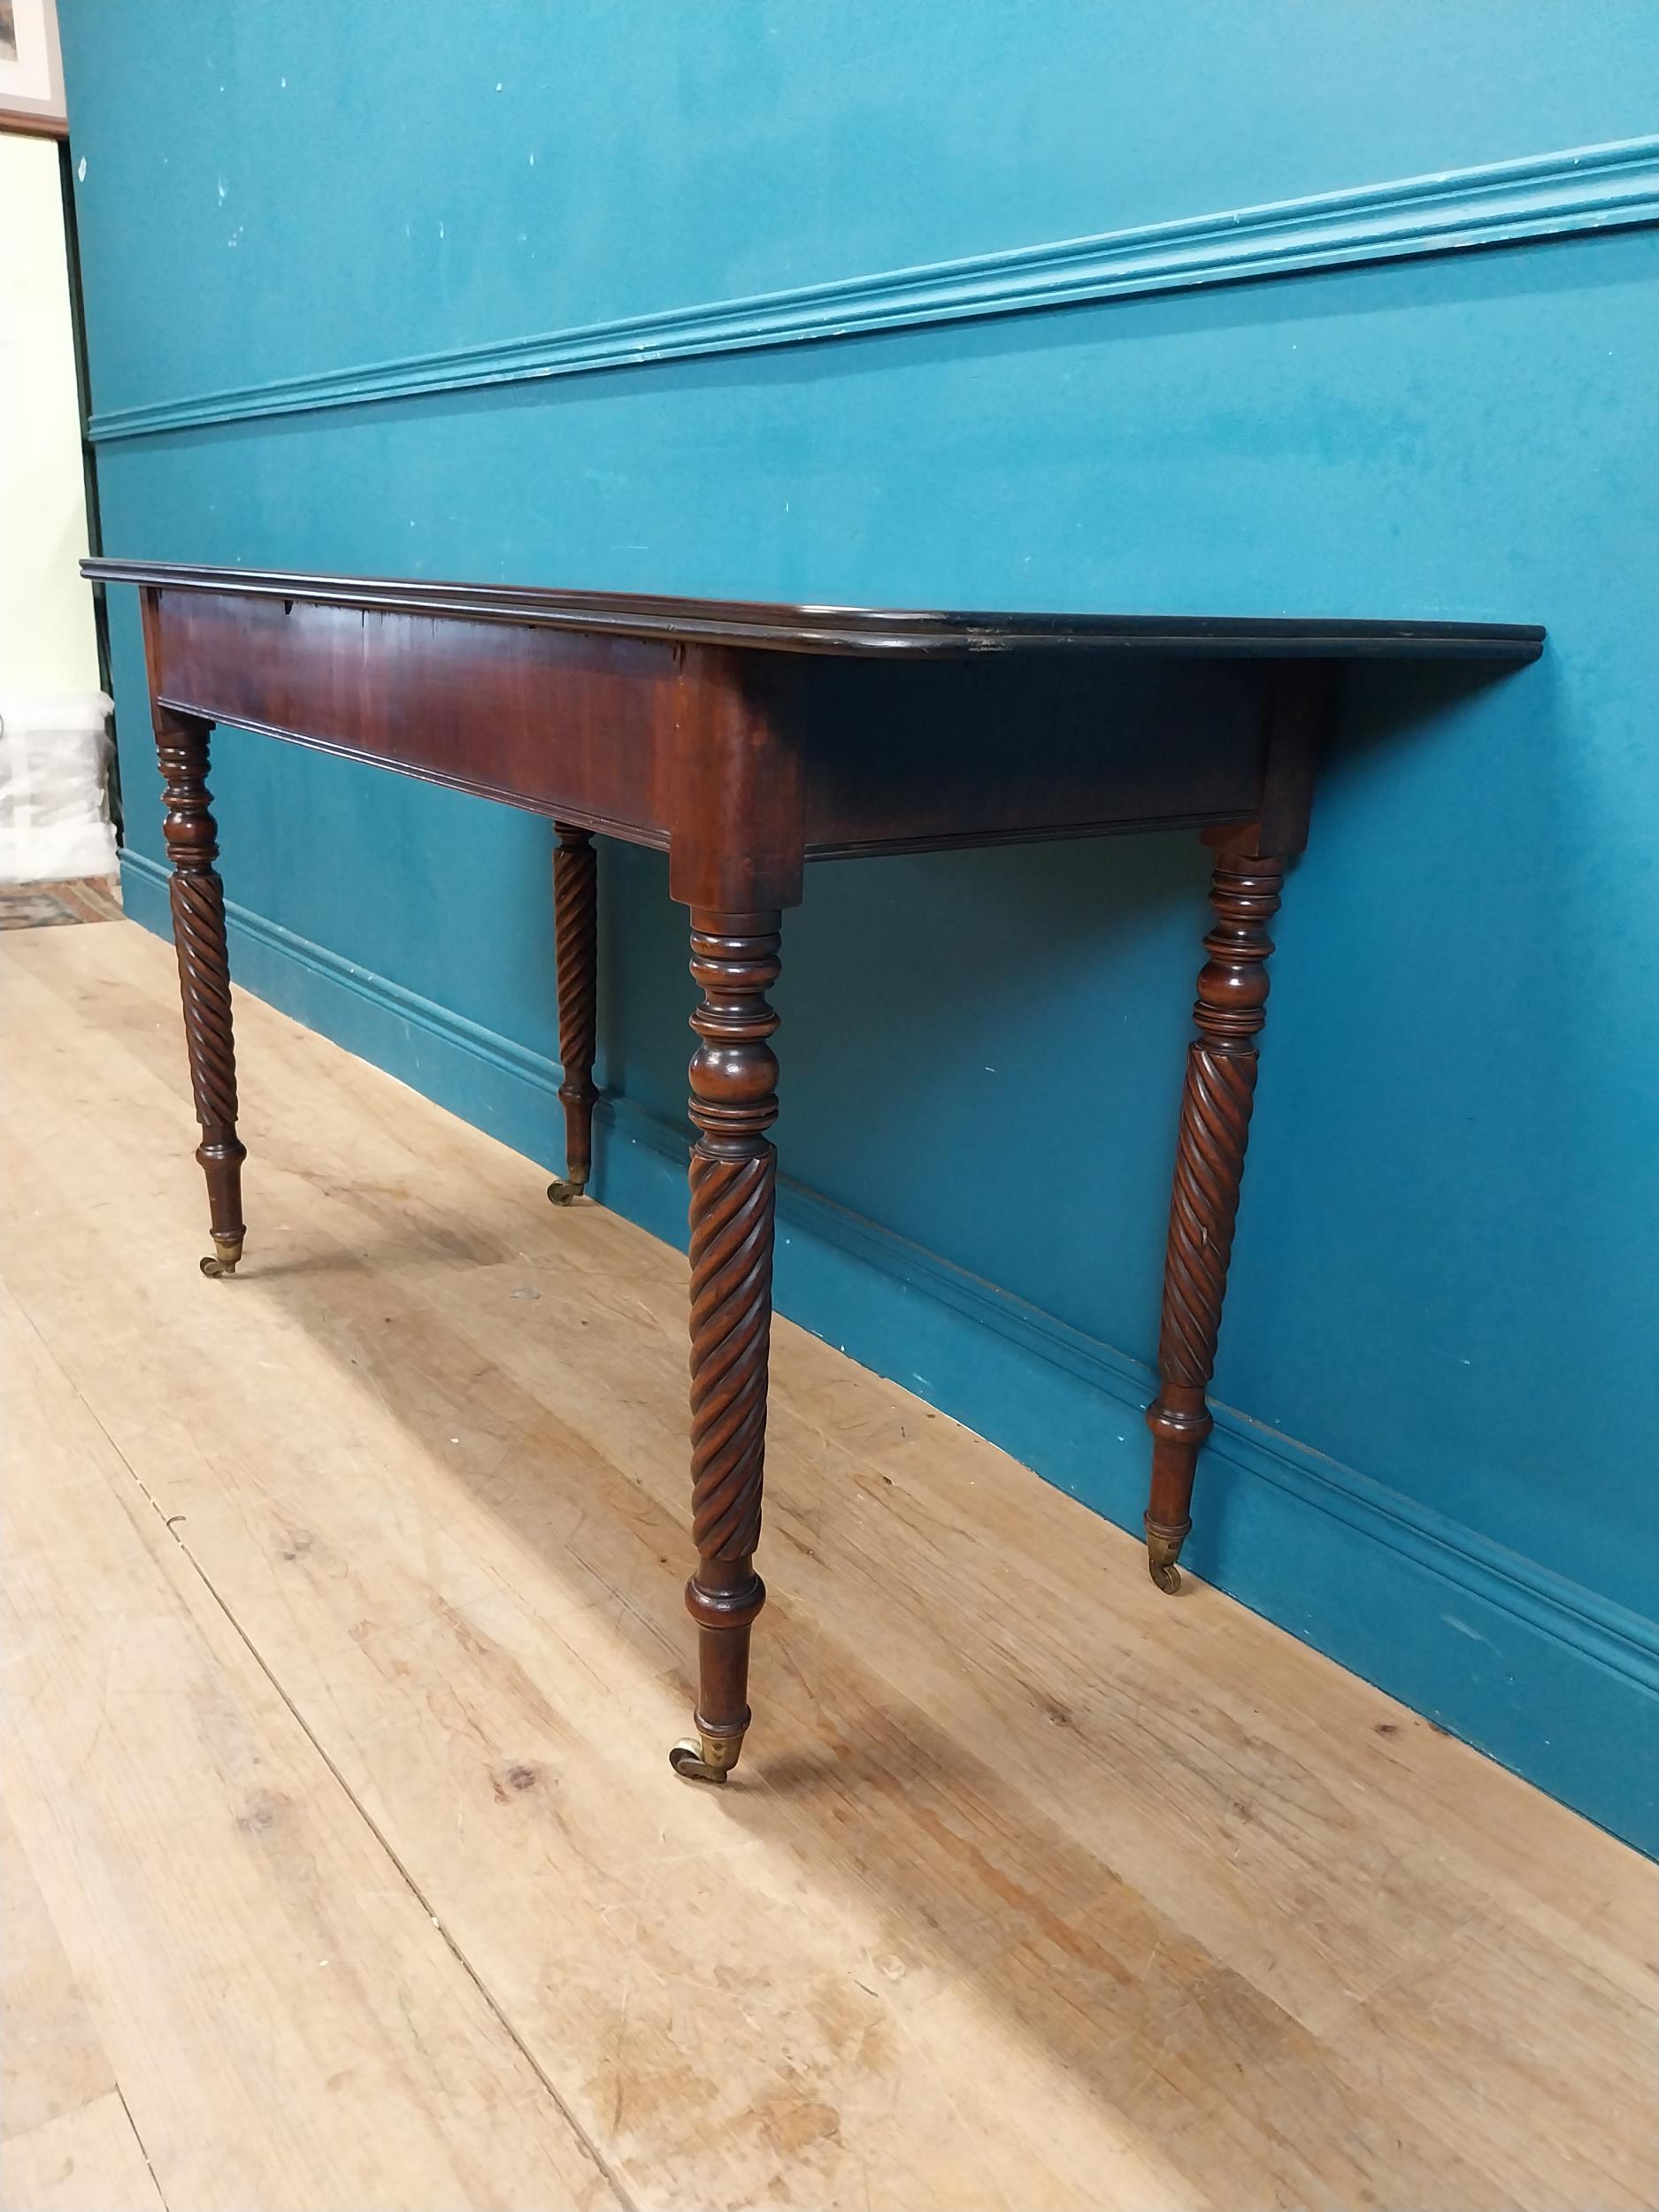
31 69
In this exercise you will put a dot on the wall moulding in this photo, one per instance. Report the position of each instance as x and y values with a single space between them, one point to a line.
1581 190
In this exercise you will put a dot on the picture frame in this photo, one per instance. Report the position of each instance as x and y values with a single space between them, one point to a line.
31 69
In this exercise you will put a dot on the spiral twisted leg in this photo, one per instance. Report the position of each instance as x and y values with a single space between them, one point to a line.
198 936
575 916
1214 1127
733 1102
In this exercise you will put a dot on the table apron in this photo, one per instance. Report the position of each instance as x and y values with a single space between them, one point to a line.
562 723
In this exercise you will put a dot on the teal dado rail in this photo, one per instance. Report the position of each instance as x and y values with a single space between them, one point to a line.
1552 195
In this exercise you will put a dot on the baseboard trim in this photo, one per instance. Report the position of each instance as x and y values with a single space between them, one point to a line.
1580 189
1539 1672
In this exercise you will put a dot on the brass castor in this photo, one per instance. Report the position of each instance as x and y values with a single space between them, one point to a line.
227 1251
1163 1551
707 1759
563 1193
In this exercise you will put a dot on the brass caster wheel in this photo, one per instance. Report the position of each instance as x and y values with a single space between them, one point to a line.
1164 1548
706 1759
561 1192
222 1261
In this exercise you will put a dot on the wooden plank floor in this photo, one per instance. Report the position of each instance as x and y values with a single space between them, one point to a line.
343 1644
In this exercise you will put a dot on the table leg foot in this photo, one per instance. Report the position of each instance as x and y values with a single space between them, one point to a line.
222 1260
564 1191
1164 1548
705 1758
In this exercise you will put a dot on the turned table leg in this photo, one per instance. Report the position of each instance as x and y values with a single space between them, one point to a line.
1214 1127
198 936
733 1102
576 915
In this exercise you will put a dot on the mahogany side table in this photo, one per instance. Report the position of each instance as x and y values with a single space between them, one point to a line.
748 740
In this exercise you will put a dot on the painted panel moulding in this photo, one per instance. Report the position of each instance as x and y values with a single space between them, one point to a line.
1588 188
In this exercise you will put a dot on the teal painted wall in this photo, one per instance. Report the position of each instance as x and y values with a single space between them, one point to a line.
1442 1347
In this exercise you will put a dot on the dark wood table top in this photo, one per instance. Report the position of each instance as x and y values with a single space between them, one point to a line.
863 631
